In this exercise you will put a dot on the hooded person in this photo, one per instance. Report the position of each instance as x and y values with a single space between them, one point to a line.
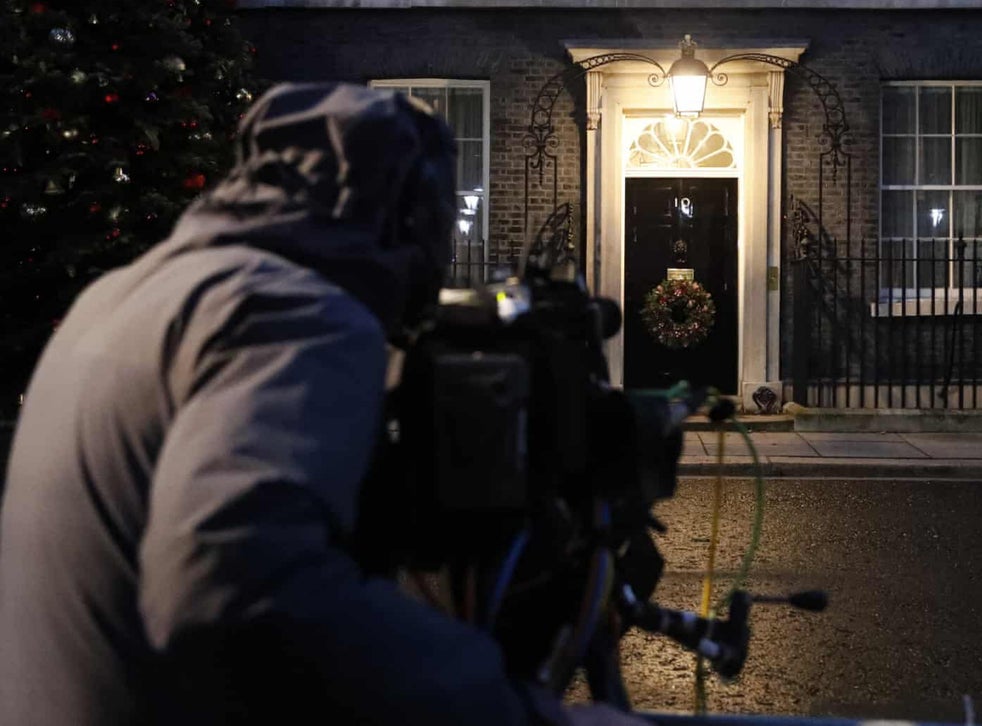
186 465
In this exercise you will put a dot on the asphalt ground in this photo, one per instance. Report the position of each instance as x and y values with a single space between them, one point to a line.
901 561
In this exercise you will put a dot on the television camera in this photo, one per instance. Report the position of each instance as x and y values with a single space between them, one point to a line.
514 463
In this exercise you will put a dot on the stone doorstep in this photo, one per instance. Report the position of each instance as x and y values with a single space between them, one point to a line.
884 420
851 420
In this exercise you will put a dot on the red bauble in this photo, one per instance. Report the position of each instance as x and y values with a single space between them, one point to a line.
111 98
195 181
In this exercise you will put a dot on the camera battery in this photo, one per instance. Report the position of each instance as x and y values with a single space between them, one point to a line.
480 430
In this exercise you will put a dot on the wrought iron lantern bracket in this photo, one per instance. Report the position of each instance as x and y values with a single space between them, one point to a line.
835 127
540 140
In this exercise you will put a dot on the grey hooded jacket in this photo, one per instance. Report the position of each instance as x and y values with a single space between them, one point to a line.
187 463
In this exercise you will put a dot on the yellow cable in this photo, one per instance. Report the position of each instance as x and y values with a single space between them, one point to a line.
707 610
707 581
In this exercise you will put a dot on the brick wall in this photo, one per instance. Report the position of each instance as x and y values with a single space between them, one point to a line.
518 50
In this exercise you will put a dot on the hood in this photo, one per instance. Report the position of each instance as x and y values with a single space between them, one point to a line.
356 183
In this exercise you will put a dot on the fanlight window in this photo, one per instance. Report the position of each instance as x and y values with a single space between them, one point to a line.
681 144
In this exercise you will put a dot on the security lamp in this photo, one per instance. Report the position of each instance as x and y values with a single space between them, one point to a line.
687 77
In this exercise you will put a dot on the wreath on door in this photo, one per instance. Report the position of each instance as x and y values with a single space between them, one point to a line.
678 313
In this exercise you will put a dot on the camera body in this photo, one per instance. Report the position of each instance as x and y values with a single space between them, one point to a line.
512 461
505 402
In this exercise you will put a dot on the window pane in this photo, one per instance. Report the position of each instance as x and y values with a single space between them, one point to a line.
467 267
898 264
435 97
898 110
961 267
898 160
968 110
932 263
470 217
968 214
972 267
470 164
932 214
934 114
898 214
935 160
968 166
466 112
963 264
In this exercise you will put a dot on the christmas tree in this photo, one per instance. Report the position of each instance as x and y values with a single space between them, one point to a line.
113 116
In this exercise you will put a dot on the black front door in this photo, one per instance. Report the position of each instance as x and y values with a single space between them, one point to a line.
685 224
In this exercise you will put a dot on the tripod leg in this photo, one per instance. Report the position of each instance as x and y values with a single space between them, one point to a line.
603 667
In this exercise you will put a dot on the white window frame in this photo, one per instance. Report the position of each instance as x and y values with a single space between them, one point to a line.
936 300
485 87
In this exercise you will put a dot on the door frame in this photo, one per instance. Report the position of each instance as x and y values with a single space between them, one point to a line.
754 93
682 174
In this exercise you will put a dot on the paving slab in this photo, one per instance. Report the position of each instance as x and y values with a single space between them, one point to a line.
766 444
692 444
775 437
791 448
947 446
831 454
730 438
849 436
868 449
729 452
782 444
800 449
734 444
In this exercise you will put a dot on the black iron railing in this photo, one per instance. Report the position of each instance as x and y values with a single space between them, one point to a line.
465 274
888 323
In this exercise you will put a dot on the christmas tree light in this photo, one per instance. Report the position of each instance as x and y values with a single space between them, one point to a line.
97 155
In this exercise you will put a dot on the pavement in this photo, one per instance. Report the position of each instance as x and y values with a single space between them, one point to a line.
786 453
832 454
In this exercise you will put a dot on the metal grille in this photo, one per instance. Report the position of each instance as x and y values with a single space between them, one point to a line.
876 327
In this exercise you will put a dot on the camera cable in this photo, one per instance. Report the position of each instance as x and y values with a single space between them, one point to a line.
503 580
720 412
